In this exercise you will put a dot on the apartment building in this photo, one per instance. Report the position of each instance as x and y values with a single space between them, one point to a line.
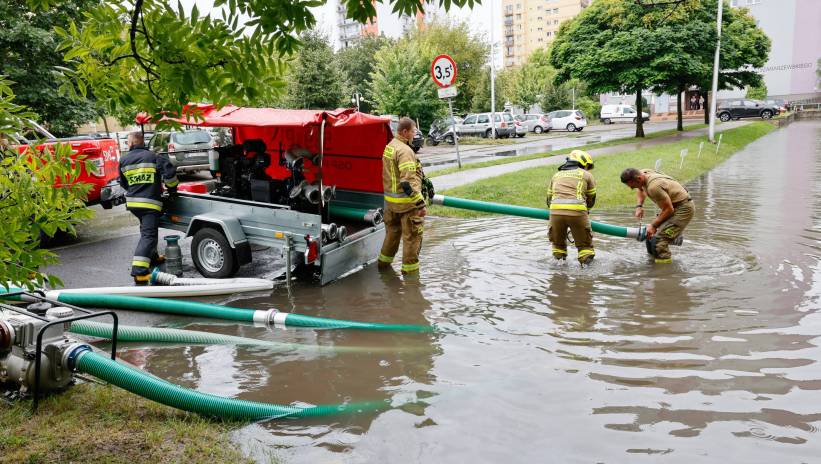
386 23
532 24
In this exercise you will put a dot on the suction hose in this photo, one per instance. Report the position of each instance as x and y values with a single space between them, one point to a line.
196 309
370 216
637 233
155 389
126 333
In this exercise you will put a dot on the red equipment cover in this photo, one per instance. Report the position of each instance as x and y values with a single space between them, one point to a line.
353 141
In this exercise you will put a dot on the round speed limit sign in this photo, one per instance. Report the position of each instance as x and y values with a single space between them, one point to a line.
443 70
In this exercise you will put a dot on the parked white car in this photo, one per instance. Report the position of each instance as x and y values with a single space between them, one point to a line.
621 113
570 120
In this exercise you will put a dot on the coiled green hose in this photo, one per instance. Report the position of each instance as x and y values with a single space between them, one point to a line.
523 211
167 393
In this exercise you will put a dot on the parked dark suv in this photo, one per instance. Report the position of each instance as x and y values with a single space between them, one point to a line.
737 109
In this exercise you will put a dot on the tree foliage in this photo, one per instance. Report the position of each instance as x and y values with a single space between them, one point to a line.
621 46
357 63
28 55
758 92
31 205
315 80
151 55
401 84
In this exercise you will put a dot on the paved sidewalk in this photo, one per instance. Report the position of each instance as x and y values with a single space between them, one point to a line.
468 176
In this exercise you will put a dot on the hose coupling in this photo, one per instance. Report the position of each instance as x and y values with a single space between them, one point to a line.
270 317
7 336
162 278
72 352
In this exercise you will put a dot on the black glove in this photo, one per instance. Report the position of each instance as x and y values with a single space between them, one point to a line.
427 188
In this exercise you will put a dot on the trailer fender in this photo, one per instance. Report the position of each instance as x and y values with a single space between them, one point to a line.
230 227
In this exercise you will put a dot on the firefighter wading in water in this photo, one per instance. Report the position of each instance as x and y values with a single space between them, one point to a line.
571 194
141 174
671 197
403 182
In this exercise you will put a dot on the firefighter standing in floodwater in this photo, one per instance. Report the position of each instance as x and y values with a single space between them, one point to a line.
405 208
571 194
671 197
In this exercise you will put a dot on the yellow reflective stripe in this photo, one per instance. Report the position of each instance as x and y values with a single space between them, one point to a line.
571 207
140 263
140 171
173 183
389 152
385 259
400 200
417 197
139 204
664 260
560 251
410 267
583 253
408 165
591 191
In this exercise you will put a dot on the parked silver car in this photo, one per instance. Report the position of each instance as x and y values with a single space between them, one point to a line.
478 125
187 151
537 123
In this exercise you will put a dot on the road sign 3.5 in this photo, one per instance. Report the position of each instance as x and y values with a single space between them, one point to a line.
443 70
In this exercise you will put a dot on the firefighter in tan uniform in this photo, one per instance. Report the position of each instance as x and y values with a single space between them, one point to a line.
402 181
671 197
571 194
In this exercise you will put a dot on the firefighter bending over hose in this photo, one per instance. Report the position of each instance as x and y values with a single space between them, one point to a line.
674 201
571 194
141 173
405 187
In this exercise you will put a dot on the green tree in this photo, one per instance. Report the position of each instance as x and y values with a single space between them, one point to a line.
31 205
151 55
480 102
315 78
401 84
610 47
758 92
28 56
470 52
357 63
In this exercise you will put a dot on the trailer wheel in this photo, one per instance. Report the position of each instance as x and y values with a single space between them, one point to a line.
212 254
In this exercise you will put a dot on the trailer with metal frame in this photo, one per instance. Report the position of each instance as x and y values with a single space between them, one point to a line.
306 182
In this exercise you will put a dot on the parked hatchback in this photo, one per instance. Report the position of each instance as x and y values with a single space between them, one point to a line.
737 109
478 125
537 123
187 151
570 120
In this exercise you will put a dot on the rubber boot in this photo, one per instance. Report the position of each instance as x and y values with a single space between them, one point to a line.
559 256
383 266
586 261
157 260
141 280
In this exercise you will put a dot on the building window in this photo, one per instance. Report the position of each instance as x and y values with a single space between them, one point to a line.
555 11
540 18
519 17
549 33
753 2
509 9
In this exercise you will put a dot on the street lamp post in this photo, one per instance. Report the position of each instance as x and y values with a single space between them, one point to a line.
712 129
492 77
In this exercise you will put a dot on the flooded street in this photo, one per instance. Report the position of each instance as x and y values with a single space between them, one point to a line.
713 356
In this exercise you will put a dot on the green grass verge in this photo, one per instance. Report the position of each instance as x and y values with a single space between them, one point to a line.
96 423
528 187
515 159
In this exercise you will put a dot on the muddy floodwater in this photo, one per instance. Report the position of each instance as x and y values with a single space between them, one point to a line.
713 358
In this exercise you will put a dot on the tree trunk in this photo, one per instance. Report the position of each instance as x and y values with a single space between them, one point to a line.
680 115
105 123
639 118
706 106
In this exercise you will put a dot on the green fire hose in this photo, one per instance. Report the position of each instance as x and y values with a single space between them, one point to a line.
197 309
159 390
637 233
371 216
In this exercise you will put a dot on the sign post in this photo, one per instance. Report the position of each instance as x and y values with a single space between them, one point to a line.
443 70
